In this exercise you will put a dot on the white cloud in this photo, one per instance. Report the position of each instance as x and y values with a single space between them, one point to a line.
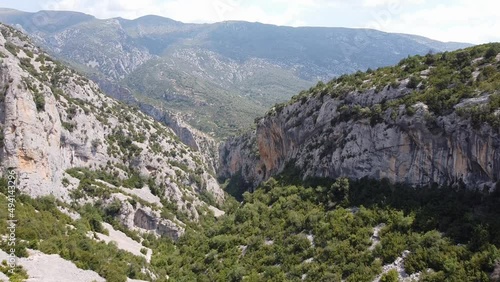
189 10
288 15
285 12
466 21
387 3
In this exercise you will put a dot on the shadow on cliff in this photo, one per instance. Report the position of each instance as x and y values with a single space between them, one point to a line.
236 186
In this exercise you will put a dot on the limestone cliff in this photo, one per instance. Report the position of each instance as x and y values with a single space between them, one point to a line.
195 139
403 130
54 119
198 141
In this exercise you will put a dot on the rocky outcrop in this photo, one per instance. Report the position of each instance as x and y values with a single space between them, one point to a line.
32 139
195 139
495 275
41 267
145 219
168 228
54 119
317 137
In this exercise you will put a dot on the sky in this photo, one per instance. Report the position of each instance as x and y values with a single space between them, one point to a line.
472 21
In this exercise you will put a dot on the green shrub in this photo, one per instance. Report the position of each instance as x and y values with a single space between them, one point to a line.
68 126
39 102
391 276
28 53
11 48
492 52
413 82
65 182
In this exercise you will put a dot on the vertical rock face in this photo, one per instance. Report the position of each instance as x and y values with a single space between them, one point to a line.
314 136
53 119
195 139
145 219
162 227
31 138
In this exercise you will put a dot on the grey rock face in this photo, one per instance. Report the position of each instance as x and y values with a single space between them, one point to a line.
162 227
418 150
495 275
32 140
195 139
145 219
53 119
169 229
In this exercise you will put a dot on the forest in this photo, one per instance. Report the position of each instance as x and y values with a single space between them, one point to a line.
289 229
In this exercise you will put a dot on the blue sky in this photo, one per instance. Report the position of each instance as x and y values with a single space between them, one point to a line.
475 21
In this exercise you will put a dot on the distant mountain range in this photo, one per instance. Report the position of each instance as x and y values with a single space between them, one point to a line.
218 76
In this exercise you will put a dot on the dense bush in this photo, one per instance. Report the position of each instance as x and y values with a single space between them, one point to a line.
288 229
40 102
441 81
292 230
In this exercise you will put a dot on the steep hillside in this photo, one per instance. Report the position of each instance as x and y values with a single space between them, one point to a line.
215 94
92 159
429 119
193 68
54 119
65 138
356 231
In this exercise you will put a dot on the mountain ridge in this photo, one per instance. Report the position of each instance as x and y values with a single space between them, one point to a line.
115 49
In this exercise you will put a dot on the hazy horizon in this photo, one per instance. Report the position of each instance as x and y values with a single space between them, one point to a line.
447 21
